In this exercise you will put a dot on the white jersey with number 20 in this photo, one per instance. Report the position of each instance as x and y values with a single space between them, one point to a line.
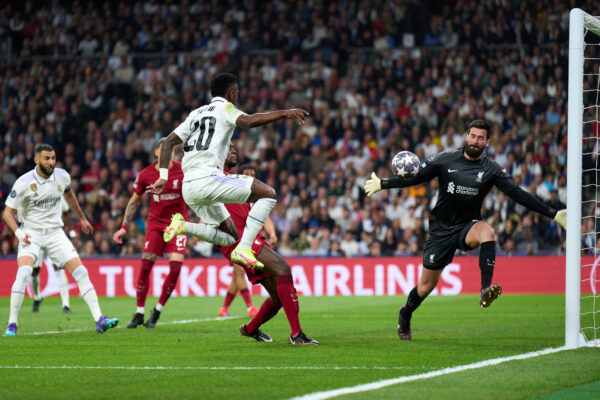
206 136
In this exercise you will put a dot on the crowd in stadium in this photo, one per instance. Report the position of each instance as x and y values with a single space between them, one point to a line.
103 81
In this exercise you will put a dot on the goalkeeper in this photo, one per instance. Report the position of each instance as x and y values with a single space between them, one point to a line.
465 177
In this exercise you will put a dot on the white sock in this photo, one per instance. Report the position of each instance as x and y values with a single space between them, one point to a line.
35 287
63 286
159 307
255 221
87 291
18 292
209 234
139 310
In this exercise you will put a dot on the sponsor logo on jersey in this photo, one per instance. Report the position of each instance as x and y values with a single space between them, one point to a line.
479 176
33 187
459 189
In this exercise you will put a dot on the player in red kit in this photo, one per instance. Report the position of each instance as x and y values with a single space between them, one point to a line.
162 206
276 276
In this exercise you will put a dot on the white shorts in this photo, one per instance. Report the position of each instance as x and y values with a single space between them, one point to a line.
206 196
54 242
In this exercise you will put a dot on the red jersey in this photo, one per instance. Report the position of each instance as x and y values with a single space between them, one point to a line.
238 213
169 202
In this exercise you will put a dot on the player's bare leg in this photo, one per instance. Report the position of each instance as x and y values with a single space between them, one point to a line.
264 198
282 291
482 235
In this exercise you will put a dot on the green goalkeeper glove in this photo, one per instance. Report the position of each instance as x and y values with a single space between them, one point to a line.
372 185
561 218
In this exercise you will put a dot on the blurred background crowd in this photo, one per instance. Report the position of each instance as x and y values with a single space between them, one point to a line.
102 81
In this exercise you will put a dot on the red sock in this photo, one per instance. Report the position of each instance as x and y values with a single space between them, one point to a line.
246 295
266 311
143 282
170 281
228 299
289 301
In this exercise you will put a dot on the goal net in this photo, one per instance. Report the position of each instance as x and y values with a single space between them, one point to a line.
582 300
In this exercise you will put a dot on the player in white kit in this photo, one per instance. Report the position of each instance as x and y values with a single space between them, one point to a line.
37 193
206 136
59 271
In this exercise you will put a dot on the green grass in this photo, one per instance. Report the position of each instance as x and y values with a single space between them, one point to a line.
210 360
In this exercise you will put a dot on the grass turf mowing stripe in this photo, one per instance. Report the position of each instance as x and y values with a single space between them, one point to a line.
184 321
208 368
388 382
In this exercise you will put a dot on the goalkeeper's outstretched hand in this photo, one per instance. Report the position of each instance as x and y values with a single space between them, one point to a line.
372 185
561 218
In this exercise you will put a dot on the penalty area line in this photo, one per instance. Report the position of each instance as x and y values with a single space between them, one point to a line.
327 394
183 321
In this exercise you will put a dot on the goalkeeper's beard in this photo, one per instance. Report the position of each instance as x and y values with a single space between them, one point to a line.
473 151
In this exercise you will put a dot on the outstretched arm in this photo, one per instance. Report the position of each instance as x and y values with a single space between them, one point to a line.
505 183
259 119
375 184
132 206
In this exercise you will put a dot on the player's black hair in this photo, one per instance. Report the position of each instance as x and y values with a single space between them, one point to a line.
481 124
43 147
248 166
221 83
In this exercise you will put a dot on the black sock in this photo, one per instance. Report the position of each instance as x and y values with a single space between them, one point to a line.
487 260
412 303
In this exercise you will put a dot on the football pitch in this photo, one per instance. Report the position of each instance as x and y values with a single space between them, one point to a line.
193 355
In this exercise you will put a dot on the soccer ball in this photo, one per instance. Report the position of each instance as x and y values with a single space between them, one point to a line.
405 164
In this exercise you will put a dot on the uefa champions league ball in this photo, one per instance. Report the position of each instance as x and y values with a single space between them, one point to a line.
405 164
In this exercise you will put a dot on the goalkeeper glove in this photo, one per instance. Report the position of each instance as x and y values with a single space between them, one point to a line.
372 185
561 218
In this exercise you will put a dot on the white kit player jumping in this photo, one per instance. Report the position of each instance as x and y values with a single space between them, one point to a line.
37 193
206 136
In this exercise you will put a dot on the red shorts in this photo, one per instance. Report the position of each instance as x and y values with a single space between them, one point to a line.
254 275
154 243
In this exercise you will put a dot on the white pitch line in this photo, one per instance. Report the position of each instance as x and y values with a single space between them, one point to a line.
332 368
327 394
183 321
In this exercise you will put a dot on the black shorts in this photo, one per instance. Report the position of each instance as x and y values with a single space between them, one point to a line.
442 243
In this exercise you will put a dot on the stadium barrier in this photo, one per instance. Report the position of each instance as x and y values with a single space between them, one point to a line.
360 276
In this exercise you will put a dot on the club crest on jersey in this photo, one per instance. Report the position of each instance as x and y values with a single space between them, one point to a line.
175 184
431 257
33 187
479 176
59 188
451 187
13 194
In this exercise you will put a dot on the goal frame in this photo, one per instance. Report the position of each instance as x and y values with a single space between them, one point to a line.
579 21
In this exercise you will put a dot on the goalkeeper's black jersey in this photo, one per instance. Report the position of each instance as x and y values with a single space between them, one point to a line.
463 184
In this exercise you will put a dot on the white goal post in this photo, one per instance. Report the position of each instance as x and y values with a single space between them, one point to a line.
580 25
